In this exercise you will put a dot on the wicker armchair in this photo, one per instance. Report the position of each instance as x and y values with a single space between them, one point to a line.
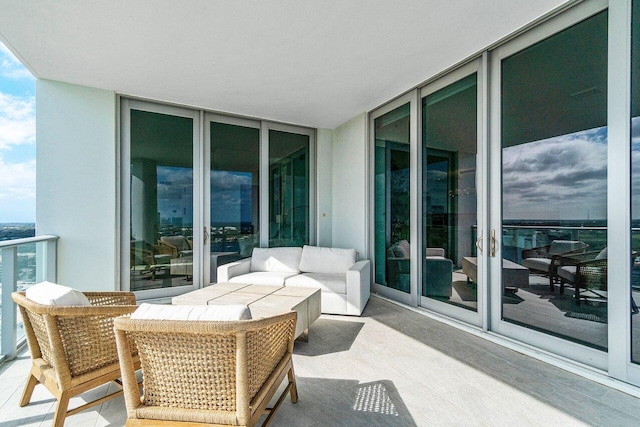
206 372
73 348
587 271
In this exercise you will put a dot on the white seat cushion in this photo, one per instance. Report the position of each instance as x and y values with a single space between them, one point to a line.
326 260
561 246
540 264
332 283
568 272
192 312
48 293
262 278
279 260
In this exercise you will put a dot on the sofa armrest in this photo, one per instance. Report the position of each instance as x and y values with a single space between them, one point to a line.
358 287
227 271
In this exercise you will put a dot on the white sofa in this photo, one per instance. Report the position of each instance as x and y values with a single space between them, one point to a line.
344 282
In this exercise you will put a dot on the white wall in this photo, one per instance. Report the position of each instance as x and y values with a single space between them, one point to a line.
324 167
349 171
76 181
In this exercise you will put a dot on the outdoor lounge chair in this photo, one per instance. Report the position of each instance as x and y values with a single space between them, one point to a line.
545 259
73 348
206 372
585 272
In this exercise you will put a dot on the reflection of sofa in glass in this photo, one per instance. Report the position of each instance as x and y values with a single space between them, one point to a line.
184 266
437 270
144 259
437 274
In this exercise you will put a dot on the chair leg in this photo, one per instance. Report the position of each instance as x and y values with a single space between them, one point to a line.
551 283
577 295
32 381
561 287
294 388
61 409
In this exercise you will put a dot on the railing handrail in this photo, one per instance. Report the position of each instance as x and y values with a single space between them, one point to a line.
26 240
555 227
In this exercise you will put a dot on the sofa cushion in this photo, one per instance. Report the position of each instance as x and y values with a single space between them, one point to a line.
279 260
48 293
401 249
326 260
434 252
192 312
335 283
262 278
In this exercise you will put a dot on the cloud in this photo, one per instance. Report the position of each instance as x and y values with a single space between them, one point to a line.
10 66
17 120
557 178
223 180
17 191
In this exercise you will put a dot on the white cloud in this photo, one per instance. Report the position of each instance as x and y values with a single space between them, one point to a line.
10 66
17 120
17 191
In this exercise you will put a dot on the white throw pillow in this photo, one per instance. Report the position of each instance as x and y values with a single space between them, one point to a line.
326 260
277 260
225 312
48 293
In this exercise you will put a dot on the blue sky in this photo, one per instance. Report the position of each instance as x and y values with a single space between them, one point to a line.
17 140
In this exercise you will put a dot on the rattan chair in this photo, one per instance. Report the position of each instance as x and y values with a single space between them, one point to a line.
206 372
73 348
585 272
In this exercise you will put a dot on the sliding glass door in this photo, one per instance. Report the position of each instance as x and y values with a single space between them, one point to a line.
160 229
550 146
452 267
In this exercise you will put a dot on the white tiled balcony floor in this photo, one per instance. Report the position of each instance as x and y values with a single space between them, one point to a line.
392 367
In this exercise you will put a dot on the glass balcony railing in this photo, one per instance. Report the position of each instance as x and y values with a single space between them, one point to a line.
23 262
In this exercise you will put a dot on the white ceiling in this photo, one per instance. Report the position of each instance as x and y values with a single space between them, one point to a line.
314 63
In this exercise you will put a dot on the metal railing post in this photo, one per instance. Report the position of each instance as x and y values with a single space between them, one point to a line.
9 285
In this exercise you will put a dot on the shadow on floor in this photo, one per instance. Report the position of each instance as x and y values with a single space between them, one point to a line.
333 336
331 402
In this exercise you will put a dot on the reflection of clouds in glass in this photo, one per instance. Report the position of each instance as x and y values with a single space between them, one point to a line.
223 180
558 178
227 192
173 182
635 168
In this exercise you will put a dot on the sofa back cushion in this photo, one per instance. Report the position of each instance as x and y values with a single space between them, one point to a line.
219 312
326 260
278 260
401 249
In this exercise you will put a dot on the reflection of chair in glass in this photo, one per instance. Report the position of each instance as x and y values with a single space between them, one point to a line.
437 274
399 266
214 372
144 259
585 272
176 246
544 259
73 348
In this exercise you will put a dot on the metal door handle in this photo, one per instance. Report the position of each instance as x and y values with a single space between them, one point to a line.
206 236
492 246
479 244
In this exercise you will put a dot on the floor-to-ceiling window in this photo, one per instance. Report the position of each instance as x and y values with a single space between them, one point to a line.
635 183
392 199
449 202
289 168
554 184
161 214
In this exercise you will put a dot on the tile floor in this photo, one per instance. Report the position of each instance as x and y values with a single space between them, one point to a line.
393 367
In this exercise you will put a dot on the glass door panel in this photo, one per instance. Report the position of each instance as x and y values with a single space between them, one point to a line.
289 186
161 200
392 199
234 192
635 183
554 185
449 201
